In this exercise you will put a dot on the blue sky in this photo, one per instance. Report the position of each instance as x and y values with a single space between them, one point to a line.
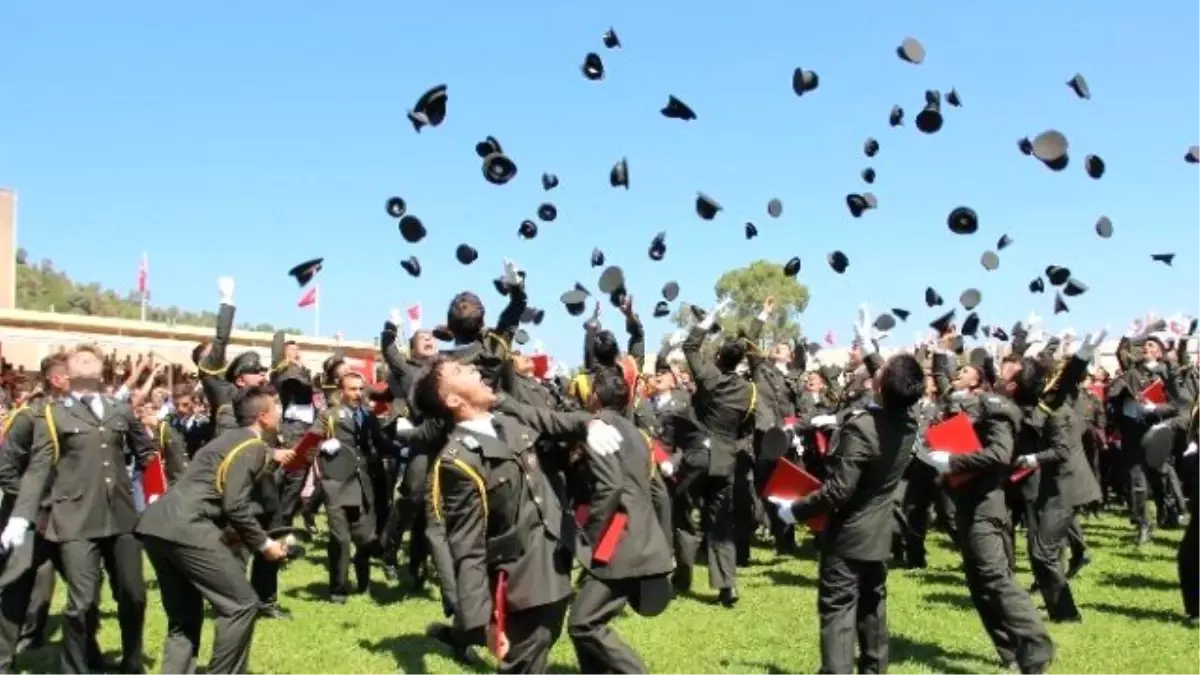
241 138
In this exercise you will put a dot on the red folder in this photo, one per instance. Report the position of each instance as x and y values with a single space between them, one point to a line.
822 440
1155 393
581 514
957 437
154 479
1098 390
500 603
659 452
789 421
541 365
610 538
308 442
1019 475
789 481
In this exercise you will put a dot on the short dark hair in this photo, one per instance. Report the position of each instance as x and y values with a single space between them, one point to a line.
901 382
730 355
350 375
51 363
605 348
250 402
427 397
1030 381
464 318
610 389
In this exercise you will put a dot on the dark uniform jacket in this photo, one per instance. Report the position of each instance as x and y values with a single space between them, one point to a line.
501 513
217 491
173 448
82 460
491 351
16 450
624 483
294 385
724 406
978 479
867 461
777 390
402 371
217 389
346 474
1063 474
196 432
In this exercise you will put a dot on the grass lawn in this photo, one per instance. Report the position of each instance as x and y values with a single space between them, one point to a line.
1129 598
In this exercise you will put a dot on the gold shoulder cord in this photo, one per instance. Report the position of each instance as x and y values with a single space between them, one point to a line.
435 488
223 467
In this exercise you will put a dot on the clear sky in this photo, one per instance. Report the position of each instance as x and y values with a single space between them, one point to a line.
241 138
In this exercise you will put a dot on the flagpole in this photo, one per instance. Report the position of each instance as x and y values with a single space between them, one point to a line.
145 283
317 312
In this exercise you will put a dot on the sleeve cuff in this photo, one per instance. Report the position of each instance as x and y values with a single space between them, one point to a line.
267 543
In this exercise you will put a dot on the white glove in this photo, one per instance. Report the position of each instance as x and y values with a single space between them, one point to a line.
331 446
512 273
713 313
402 424
404 452
1149 406
602 438
863 333
1191 450
1091 342
784 507
938 459
823 421
1027 462
666 468
395 318
14 534
225 288
676 338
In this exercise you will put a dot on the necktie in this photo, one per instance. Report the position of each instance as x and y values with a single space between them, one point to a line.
358 417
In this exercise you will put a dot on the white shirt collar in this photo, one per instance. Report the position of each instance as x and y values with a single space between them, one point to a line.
480 425
783 367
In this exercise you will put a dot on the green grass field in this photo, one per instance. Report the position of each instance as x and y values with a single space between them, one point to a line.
1129 598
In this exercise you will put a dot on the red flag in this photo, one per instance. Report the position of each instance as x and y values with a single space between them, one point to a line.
143 278
414 316
309 297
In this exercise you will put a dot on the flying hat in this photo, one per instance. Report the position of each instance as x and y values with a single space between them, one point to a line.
970 298
1104 227
677 110
610 39
670 291
533 316
953 99
658 246
1193 155
1057 275
942 323
412 266
751 231
305 271
1050 147
838 261
528 229
901 314
549 181
870 147
706 207
911 51
792 267
593 67
804 81
1094 166
597 257
774 208
520 336
661 309
396 207
1037 285
611 279
575 301
619 176
884 322
466 254
1003 242
412 229
1080 87
1025 146
1060 306
970 326
1074 287
1164 258
860 203
933 298
929 120
963 220
896 116
498 169
430 108
868 175
990 261
547 212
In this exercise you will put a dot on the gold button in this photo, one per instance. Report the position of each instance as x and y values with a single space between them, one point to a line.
108 480
537 500
101 428
106 463
104 445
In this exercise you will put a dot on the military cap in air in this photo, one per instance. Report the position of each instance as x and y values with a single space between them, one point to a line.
305 271
611 279
963 220
1050 147
661 309
870 147
1193 155
838 261
885 322
751 231
1164 258
933 298
1003 242
412 229
706 207
1060 305
597 257
970 298
1025 146
670 291
549 181
466 254
999 334
430 108
617 297
1074 287
593 67
498 169
547 212
929 120
412 266
1079 86
520 336
1057 275
528 229
901 314
1104 227
619 175
804 81
1094 166
896 116
792 267
611 41
532 315
989 260
860 203
774 208
942 323
911 50
970 326
658 246
868 175
396 207
1037 285
575 301
677 110
952 98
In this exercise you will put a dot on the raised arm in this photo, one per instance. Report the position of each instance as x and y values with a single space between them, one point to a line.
637 336
213 362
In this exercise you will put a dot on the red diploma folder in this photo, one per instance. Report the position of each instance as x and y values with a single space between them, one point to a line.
541 365
957 437
308 442
1019 475
789 481
659 452
610 538
1155 393
822 440
154 479
789 421
500 603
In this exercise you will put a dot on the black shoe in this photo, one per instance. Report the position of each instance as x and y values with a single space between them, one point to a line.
681 580
310 525
1077 565
1073 618
463 653
271 610
728 597
337 599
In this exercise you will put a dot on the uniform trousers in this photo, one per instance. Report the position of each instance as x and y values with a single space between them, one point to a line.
189 575
1189 569
852 605
25 602
349 525
598 647
714 496
531 634
1047 523
81 561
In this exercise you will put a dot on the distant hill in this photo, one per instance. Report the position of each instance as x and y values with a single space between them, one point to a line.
42 288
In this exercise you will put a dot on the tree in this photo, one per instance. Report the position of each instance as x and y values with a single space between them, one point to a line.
41 288
747 287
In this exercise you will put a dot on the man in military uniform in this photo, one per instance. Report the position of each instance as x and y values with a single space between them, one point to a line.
723 406
620 487
186 420
293 384
976 483
348 457
25 600
869 456
78 455
168 442
502 519
184 537
209 358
